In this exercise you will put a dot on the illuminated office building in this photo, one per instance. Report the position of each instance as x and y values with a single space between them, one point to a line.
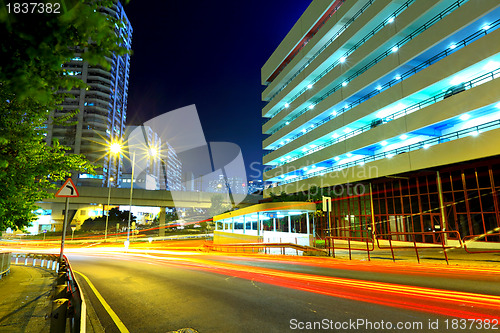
393 108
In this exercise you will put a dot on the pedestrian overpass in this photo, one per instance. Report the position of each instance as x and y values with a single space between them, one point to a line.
97 198
153 198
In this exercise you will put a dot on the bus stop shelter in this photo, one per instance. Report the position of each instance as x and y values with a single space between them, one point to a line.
272 222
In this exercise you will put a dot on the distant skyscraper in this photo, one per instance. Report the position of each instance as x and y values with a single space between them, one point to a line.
255 186
221 185
103 107
156 169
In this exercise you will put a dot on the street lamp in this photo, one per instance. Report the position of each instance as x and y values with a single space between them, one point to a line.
130 202
152 152
115 149
107 215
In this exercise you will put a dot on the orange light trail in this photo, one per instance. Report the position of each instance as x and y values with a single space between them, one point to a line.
443 302
438 301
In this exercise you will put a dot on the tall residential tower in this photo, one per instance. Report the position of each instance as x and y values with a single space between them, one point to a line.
103 107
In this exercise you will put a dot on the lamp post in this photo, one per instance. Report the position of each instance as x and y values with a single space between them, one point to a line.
115 148
107 215
130 202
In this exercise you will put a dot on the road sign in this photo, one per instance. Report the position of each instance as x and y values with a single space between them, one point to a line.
68 190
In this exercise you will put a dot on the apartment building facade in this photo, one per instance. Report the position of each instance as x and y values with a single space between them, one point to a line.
392 108
103 107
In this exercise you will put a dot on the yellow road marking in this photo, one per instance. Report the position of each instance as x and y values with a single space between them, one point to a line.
106 306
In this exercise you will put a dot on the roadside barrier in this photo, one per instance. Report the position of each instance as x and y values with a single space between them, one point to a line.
472 238
68 308
258 247
4 263
330 244
435 234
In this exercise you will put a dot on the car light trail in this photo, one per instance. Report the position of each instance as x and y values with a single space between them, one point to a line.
444 302
437 301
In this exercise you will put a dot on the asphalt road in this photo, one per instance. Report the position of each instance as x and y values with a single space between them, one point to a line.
244 294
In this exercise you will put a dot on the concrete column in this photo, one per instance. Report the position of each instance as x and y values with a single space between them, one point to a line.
307 224
289 224
274 224
162 218
232 224
244 223
251 224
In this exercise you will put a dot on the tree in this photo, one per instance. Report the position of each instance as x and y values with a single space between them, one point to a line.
217 205
33 50
115 216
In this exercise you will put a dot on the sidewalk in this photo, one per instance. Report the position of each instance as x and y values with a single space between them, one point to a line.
25 299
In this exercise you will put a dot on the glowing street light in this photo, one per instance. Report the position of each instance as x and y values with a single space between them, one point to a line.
115 148
107 215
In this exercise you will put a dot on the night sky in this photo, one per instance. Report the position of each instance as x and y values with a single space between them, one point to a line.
207 53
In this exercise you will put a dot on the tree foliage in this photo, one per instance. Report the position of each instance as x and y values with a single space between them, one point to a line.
314 194
217 205
115 216
33 49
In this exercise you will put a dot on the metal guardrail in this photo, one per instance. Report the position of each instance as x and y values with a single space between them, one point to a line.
330 244
68 304
474 237
413 235
4 263
257 247
77 309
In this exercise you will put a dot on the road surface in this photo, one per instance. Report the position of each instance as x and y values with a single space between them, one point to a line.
169 291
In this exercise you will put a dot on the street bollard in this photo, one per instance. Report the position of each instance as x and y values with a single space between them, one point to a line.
17 259
25 261
41 263
34 261
54 265
48 263
58 315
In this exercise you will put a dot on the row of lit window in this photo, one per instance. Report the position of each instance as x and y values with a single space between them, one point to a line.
342 59
490 66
